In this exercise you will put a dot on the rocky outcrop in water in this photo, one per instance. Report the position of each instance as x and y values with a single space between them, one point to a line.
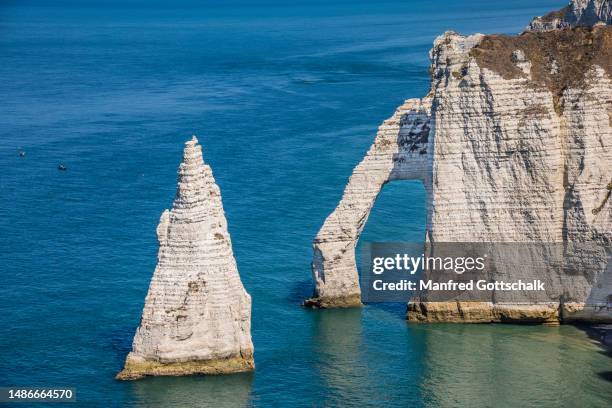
513 144
197 314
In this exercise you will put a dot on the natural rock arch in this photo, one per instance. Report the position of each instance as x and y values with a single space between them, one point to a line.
399 152
506 155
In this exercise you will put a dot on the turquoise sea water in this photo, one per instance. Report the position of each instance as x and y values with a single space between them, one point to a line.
285 99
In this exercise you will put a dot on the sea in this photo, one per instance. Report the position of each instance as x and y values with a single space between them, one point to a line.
285 97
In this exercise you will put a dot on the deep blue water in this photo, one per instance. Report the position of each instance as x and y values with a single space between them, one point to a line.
285 100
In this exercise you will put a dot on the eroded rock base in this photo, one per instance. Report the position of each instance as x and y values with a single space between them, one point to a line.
575 312
482 312
336 302
136 368
487 312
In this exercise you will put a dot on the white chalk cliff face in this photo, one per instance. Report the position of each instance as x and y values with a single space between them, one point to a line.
585 13
513 144
197 314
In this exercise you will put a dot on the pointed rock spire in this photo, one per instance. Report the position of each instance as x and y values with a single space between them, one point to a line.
197 314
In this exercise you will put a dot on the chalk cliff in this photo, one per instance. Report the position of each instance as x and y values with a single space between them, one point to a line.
513 143
197 314
579 13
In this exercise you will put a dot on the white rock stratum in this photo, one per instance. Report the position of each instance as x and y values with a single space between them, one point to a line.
513 143
584 13
197 314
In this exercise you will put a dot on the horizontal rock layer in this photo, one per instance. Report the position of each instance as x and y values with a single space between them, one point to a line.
482 312
489 312
136 368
